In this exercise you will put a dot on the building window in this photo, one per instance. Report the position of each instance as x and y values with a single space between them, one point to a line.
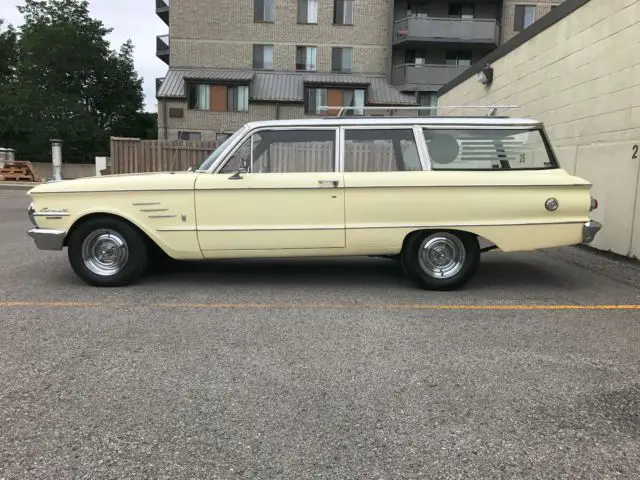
238 98
427 99
343 12
263 57
417 10
461 10
458 59
191 136
415 58
218 98
392 150
307 11
306 58
199 97
341 59
316 97
524 16
264 10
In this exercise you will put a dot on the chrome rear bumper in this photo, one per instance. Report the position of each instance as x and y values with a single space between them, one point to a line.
589 231
47 239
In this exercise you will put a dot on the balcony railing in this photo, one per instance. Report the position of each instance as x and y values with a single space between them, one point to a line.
162 48
162 10
427 77
454 30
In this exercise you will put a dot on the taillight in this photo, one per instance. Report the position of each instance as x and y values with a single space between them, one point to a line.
594 203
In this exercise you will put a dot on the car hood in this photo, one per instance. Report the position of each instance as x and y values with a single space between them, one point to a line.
126 182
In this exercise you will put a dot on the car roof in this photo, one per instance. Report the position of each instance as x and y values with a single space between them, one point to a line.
397 120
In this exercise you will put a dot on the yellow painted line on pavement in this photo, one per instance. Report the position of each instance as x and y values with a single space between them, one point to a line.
214 306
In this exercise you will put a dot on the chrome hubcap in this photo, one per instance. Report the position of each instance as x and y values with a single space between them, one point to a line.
105 252
441 255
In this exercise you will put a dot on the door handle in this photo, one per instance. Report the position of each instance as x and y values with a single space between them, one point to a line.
328 183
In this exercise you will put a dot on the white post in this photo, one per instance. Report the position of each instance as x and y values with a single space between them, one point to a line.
2 156
101 164
56 156
10 155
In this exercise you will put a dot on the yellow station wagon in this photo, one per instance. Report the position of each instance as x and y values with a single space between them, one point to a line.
431 192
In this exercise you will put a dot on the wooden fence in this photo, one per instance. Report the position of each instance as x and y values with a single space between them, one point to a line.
132 155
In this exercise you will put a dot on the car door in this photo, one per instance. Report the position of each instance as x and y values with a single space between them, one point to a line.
279 190
384 177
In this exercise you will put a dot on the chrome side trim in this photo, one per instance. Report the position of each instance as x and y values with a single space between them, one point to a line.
278 228
47 239
163 216
176 229
455 225
51 213
590 230
154 209
224 228
144 204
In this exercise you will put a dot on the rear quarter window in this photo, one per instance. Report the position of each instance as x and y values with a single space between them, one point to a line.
488 149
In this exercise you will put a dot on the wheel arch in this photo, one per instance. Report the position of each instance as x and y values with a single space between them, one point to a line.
484 242
151 242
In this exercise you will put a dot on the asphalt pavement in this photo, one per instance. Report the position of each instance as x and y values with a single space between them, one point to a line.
299 369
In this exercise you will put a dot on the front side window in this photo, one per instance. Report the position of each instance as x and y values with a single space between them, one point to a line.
487 149
373 150
264 10
286 151
215 155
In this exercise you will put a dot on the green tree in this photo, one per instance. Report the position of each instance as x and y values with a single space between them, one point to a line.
69 83
8 53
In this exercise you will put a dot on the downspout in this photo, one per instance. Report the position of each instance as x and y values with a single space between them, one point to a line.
391 21
164 119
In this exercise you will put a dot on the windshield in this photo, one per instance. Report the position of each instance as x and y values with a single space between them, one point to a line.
211 159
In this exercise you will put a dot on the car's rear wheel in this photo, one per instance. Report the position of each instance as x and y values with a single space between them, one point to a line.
107 252
440 260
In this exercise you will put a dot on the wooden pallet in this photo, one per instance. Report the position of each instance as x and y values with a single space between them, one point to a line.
19 172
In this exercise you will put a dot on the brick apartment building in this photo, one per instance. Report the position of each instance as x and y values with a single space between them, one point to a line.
232 61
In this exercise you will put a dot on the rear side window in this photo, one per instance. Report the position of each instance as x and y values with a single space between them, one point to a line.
380 150
487 149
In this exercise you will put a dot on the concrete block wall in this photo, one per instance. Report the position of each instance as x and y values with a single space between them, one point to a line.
581 77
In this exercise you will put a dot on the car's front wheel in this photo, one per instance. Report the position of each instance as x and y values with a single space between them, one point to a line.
440 260
107 252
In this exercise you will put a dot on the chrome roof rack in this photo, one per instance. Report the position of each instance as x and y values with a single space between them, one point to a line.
492 108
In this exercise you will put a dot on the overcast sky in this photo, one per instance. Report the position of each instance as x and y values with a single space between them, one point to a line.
130 19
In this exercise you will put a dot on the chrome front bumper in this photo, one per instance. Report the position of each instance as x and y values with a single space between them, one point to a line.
589 231
47 239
